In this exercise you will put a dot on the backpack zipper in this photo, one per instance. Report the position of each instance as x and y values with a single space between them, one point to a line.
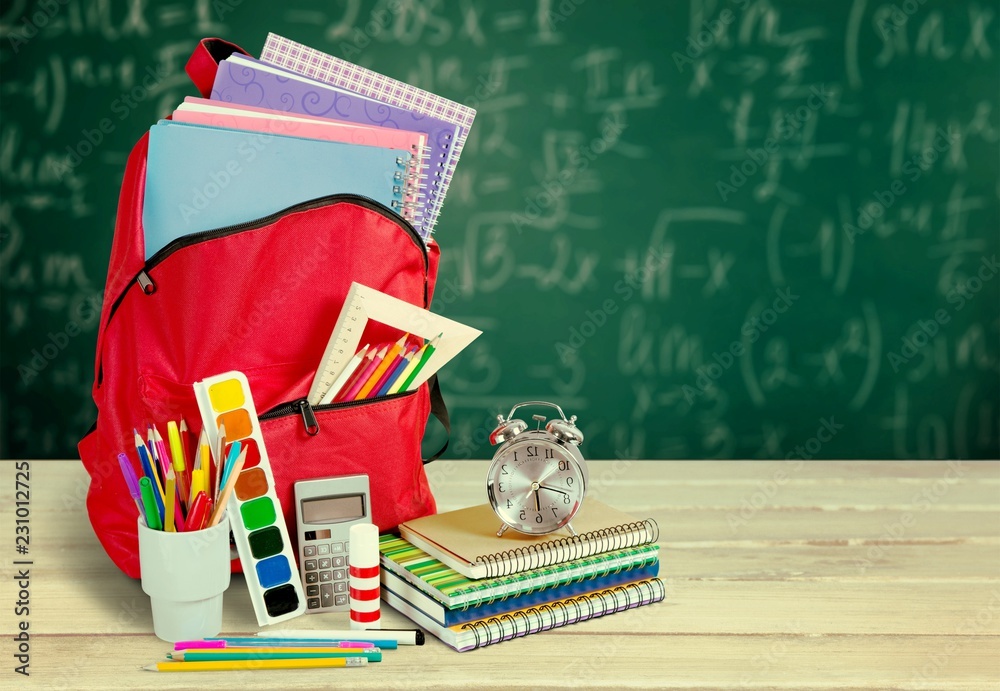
308 412
148 286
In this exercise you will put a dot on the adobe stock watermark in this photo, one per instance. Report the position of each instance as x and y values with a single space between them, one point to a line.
785 129
594 320
889 19
712 31
923 331
30 25
753 328
556 186
973 625
913 169
86 315
922 502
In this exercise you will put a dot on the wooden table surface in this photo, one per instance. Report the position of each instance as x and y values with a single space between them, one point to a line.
779 574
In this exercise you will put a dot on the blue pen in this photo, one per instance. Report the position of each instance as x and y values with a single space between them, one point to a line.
131 480
234 453
147 469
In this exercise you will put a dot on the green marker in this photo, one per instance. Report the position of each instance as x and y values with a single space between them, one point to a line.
428 351
149 501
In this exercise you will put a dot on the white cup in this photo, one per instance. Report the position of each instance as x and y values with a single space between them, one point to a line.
185 575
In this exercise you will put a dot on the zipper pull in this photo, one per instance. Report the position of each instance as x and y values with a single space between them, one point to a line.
146 283
308 417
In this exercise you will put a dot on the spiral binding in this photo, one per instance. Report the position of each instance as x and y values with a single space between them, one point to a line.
567 611
535 556
410 188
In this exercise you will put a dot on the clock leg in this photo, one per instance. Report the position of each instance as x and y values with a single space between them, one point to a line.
503 529
569 527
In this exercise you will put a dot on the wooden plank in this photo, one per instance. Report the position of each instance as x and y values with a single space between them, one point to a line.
578 658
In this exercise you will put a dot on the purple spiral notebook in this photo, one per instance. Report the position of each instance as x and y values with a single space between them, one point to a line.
325 68
244 81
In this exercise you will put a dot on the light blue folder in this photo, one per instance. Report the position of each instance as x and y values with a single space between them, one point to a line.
203 178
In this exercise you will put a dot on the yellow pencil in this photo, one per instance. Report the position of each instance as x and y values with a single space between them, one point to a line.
220 506
177 456
228 665
169 500
197 485
389 358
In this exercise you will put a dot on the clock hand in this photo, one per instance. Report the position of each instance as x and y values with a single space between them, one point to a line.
538 508
552 489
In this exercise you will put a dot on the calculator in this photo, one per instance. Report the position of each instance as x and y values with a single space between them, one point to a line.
325 510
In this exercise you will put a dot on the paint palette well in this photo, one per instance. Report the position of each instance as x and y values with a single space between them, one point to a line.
254 511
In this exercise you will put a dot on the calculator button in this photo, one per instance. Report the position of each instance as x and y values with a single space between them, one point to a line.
311 577
309 550
327 597
323 549
310 564
340 600
324 563
336 547
339 574
339 587
338 561
312 590
313 603
324 576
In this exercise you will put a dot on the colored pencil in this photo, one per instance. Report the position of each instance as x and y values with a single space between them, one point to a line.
152 512
344 375
352 392
220 506
390 377
205 461
186 439
370 654
227 665
131 480
231 456
149 471
387 361
219 462
179 462
428 351
170 491
352 380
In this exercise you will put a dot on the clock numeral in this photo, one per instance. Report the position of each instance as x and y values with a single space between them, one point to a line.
500 487
554 514
515 456
503 469
523 515
538 518
509 505
563 465
565 500
569 481
532 451
548 454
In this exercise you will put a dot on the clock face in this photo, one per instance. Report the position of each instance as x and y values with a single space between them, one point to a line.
535 485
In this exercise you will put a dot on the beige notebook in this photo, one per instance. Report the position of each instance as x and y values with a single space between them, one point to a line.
466 539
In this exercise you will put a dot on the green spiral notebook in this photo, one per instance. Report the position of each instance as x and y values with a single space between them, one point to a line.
454 590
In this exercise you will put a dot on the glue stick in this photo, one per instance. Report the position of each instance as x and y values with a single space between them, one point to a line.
363 560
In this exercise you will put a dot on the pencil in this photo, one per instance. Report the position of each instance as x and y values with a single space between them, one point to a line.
428 351
394 372
387 361
352 392
370 654
220 506
179 462
227 665
149 471
234 453
170 491
344 376
220 460
353 379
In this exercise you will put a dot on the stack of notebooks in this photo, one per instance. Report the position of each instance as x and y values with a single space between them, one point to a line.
294 126
453 576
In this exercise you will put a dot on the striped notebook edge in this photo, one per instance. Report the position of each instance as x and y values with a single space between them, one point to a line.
531 620
455 591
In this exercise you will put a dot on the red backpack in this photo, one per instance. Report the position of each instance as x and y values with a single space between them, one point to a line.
260 297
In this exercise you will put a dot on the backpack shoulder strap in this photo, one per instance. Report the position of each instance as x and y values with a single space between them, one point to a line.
204 62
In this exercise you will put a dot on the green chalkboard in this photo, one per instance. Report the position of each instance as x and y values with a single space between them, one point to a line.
710 229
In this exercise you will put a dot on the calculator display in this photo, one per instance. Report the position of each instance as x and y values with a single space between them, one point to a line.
333 509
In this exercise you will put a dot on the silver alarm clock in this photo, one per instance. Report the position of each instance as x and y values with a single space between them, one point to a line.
538 477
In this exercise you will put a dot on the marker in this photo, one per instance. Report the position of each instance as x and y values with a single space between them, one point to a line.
428 351
199 512
344 376
179 462
227 665
149 471
401 636
387 361
152 513
351 393
131 480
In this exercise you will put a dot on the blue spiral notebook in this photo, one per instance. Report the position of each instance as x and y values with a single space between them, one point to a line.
202 178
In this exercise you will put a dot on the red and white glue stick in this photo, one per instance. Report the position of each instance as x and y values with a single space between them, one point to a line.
364 582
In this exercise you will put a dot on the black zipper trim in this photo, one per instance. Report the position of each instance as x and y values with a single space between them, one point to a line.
143 279
302 407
